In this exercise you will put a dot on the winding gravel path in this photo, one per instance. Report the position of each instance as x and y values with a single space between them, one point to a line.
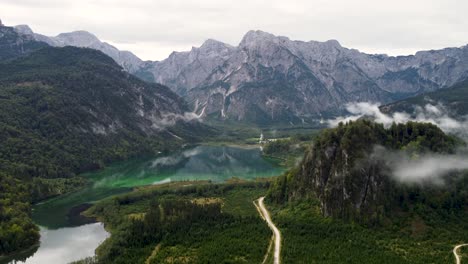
276 233
457 257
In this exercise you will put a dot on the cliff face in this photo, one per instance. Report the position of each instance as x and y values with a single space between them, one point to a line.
342 171
272 79
346 171
269 79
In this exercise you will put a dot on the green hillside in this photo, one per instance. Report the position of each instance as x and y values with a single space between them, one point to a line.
67 110
343 200
341 204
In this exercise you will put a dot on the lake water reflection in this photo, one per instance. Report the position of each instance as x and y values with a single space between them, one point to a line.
65 245
65 237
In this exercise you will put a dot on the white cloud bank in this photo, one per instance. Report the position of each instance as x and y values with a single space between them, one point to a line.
428 168
170 119
425 168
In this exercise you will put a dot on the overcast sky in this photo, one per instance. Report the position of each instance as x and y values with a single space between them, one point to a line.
152 29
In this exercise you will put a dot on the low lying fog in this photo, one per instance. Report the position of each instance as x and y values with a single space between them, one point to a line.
427 168
421 168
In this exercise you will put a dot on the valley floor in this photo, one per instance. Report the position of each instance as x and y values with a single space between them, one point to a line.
236 233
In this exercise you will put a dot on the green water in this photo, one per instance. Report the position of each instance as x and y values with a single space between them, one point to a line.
216 163
66 238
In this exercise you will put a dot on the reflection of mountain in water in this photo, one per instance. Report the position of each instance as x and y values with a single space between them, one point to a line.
213 163
201 163
227 162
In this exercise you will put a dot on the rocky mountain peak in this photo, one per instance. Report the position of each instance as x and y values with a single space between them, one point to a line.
80 38
212 43
256 37
24 30
246 81
1 24
249 82
334 43
84 39
215 45
214 48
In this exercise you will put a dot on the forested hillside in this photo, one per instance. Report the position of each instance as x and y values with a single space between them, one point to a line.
184 222
68 110
353 181
345 200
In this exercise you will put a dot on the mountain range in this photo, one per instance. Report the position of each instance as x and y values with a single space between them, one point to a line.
270 79
84 39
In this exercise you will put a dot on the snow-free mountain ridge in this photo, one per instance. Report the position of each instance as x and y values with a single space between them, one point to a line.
272 79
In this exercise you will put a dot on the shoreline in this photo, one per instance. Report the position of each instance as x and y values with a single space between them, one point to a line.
16 255
78 213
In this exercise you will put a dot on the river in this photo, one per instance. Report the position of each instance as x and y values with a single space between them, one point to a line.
66 236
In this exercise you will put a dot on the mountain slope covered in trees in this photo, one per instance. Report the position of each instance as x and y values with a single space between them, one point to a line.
68 110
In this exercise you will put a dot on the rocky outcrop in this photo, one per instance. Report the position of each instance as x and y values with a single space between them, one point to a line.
186 70
347 171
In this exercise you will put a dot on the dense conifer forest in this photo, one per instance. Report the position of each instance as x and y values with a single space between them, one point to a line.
186 222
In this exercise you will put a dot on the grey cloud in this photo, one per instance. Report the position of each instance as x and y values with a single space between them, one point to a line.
428 168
